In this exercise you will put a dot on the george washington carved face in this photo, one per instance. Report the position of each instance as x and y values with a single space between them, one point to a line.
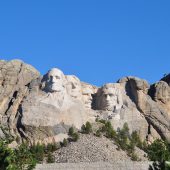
55 80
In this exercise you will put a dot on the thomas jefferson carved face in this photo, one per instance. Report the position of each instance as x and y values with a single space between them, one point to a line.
55 80
110 98
74 86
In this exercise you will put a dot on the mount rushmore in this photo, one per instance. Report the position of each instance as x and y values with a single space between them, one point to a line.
42 108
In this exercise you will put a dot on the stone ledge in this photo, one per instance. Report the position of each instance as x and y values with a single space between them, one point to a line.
126 165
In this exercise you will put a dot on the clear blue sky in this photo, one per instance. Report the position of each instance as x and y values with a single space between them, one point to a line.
99 41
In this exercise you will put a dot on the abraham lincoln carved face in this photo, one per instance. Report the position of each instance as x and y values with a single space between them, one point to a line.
109 97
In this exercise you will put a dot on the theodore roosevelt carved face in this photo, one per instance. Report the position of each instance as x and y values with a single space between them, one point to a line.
87 96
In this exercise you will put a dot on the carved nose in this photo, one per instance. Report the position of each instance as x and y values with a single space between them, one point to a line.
73 86
90 97
53 79
107 97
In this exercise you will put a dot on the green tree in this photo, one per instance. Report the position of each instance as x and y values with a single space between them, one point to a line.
86 128
7 157
135 140
125 130
75 136
135 137
167 165
51 147
97 119
14 159
110 133
38 152
98 133
158 151
144 146
50 158
134 157
25 157
65 142
83 128
71 131
102 121
123 136
130 147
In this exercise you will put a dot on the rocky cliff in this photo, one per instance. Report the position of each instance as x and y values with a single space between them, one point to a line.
42 108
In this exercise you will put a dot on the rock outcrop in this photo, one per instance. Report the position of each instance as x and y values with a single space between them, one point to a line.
117 106
157 117
15 77
42 108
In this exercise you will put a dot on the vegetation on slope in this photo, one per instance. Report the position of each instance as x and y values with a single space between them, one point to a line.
28 156
25 156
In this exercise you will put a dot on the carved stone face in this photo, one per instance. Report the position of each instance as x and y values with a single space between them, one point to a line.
87 97
110 98
74 87
55 80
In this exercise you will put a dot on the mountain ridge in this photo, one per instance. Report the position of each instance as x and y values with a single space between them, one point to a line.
39 108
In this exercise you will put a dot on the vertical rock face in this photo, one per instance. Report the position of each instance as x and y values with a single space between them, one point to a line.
57 104
118 107
15 77
42 108
160 118
157 118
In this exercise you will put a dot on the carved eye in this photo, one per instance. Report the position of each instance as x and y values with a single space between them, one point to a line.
57 77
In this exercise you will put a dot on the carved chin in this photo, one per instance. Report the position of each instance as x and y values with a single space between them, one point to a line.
88 105
109 109
55 90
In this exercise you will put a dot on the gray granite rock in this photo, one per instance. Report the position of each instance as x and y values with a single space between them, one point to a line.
156 116
15 77
39 108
